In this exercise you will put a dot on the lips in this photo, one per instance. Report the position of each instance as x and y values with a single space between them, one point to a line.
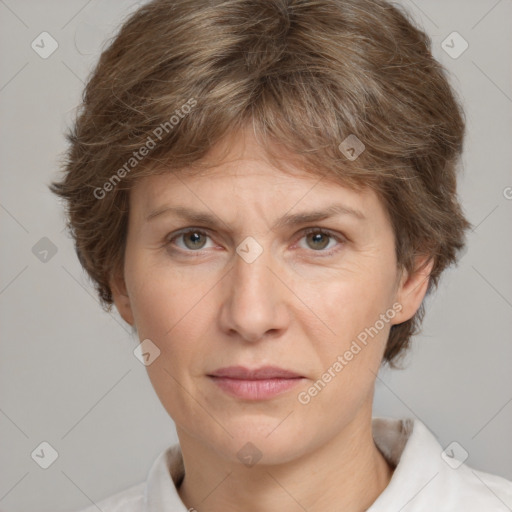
264 373
258 384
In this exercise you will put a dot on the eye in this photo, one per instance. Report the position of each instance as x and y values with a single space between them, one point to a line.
318 239
193 239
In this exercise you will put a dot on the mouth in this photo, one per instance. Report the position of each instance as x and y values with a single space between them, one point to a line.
258 384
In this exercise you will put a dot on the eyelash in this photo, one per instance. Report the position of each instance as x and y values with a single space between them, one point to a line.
305 232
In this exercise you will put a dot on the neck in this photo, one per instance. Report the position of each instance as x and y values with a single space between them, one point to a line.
347 473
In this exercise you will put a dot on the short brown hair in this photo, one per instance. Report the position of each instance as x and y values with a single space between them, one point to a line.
306 74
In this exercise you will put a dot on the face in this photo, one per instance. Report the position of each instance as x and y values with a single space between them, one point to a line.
253 282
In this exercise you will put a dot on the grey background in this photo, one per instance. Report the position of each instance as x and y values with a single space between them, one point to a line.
68 375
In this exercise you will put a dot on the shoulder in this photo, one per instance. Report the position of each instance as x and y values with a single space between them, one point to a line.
159 489
428 477
475 490
128 500
457 484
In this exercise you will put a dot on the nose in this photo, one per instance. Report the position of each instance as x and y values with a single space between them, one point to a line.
255 305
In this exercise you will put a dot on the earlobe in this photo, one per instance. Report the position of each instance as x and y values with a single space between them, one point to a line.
412 289
122 299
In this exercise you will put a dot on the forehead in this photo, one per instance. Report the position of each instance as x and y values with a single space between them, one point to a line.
252 193
239 168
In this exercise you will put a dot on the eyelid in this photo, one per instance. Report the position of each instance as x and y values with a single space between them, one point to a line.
333 234
172 236
341 239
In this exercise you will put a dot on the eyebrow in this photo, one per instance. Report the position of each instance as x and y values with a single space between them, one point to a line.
288 220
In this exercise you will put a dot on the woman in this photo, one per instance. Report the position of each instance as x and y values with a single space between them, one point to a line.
266 190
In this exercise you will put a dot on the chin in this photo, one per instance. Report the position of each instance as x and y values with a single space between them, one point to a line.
259 443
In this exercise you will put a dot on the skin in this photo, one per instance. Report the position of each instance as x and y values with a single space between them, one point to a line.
294 306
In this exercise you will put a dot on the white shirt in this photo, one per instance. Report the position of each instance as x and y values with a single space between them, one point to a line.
425 479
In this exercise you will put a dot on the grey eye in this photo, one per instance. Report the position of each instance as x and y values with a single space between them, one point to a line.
318 240
194 239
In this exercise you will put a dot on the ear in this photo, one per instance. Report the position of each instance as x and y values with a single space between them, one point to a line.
122 299
412 288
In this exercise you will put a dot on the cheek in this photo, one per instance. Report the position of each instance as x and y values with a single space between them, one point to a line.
351 310
162 296
350 299
174 310
350 356
167 311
